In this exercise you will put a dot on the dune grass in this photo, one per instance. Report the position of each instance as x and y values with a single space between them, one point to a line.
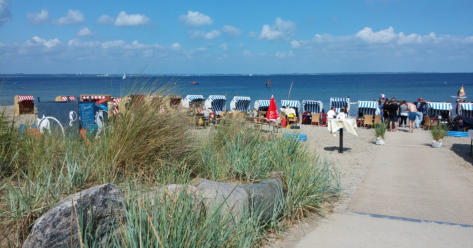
238 151
152 145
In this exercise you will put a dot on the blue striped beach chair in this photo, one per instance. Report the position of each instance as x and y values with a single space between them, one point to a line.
192 100
216 102
339 102
291 104
440 109
240 103
367 107
466 109
312 106
261 105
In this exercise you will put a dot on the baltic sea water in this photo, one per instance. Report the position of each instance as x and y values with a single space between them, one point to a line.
403 86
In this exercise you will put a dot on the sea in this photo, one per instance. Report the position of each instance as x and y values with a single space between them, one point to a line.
441 87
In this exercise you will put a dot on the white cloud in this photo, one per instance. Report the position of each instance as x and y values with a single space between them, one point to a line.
382 36
469 39
247 52
280 30
408 39
46 43
5 14
231 30
224 46
105 19
87 44
113 44
282 55
390 36
84 32
195 19
295 44
124 19
37 18
198 34
175 46
72 17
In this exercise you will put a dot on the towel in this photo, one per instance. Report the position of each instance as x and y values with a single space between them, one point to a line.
348 125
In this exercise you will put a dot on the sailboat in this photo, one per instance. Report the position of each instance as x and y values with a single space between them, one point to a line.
124 76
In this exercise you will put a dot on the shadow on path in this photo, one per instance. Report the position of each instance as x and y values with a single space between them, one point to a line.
463 151
335 148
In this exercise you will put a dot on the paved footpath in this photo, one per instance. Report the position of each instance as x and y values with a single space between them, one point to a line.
412 196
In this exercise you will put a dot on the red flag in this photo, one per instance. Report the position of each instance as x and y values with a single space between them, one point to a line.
272 110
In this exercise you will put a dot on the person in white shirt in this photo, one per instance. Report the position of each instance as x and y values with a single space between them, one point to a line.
342 115
331 113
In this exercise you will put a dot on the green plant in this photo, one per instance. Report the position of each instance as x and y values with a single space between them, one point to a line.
380 130
8 144
237 151
182 221
438 132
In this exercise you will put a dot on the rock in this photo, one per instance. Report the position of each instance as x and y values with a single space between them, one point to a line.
170 191
232 199
59 226
266 198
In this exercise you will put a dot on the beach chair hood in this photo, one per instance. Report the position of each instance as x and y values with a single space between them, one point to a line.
367 107
240 103
261 104
437 108
216 102
466 109
291 104
339 102
191 99
312 106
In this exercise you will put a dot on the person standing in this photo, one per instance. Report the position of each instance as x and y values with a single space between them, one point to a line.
385 110
412 116
343 114
331 114
403 113
393 111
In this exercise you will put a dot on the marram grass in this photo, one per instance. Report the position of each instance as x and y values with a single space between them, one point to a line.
150 145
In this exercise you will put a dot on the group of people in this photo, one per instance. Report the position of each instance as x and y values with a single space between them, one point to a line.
397 113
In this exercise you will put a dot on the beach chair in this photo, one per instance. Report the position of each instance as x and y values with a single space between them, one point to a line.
240 103
23 104
193 101
368 121
427 122
315 119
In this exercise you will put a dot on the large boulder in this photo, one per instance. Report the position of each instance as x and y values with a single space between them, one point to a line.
229 198
58 227
266 198
170 192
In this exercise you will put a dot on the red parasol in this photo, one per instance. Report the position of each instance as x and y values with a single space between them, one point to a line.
272 110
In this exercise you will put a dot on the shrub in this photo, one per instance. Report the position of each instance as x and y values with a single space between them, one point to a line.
438 132
380 130
181 221
237 151
148 138
8 145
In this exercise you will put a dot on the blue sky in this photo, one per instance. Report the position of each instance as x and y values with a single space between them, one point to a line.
58 36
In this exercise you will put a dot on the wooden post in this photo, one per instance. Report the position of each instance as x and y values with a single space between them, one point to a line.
340 148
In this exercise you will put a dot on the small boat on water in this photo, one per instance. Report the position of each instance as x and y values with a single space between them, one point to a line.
124 76
195 83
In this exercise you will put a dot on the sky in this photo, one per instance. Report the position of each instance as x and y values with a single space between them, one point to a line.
233 37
